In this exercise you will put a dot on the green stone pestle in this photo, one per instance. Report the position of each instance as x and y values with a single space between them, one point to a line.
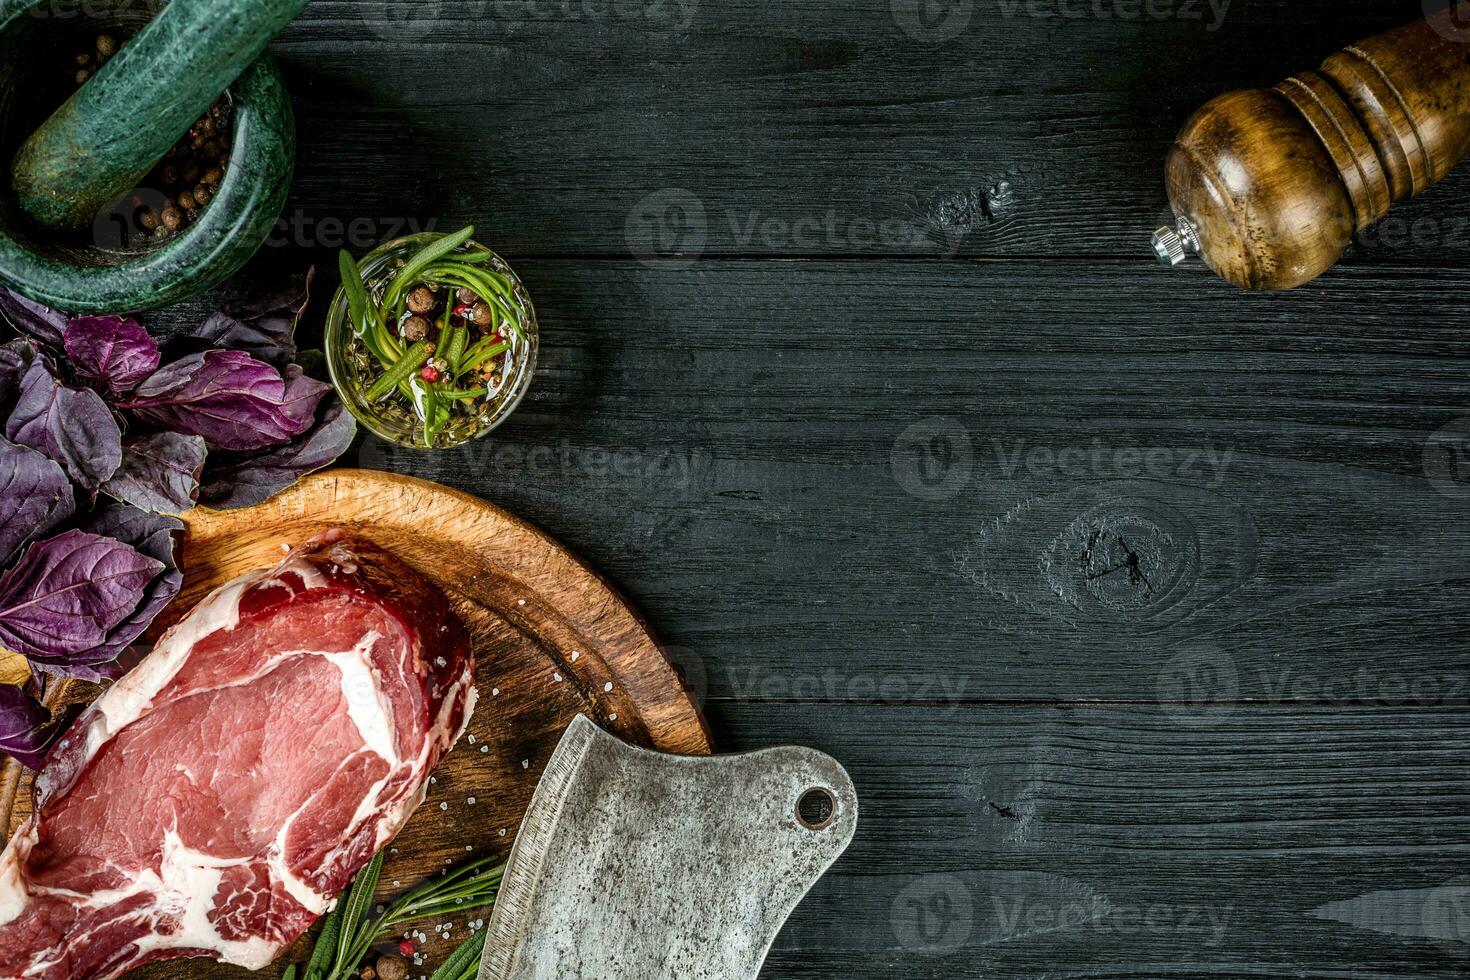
115 266
113 130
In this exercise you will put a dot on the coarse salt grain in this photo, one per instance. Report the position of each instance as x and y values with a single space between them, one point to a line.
470 800
444 806
607 688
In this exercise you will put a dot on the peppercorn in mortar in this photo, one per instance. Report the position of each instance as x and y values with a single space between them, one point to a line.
175 193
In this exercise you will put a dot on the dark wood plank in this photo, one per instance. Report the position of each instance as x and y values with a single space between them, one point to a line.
738 127
1131 841
834 488
840 481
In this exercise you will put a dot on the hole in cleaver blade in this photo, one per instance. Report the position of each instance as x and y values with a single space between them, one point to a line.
635 864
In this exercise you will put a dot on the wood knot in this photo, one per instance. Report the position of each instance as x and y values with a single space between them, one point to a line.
1122 558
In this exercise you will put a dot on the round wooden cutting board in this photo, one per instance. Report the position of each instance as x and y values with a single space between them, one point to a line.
551 639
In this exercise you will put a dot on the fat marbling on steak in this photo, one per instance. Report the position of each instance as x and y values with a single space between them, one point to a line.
217 799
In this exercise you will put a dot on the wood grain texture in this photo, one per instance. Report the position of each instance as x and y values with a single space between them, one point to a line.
729 439
1135 841
721 440
736 445
799 128
551 639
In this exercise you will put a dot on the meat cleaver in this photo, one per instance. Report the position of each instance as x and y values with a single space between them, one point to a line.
636 865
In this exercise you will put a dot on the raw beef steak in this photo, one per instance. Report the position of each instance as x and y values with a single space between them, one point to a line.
217 799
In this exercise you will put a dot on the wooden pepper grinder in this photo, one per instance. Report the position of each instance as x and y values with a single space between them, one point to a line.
1270 185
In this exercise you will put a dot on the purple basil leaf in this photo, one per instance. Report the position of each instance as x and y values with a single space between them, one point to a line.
159 472
112 350
34 319
35 496
251 480
66 594
27 728
223 330
15 358
234 401
71 425
301 400
156 537
264 328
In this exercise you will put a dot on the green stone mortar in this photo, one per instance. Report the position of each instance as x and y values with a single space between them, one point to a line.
69 168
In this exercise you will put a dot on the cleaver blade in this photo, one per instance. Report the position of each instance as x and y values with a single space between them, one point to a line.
643 866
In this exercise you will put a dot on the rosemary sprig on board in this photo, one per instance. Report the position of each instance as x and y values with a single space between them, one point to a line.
349 932
464 962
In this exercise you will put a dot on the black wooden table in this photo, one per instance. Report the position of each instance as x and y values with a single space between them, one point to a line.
1136 605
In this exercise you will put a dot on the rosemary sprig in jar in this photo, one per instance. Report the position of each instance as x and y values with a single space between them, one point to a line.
444 368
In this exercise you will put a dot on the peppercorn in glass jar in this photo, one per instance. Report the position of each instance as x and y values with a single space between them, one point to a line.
431 340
